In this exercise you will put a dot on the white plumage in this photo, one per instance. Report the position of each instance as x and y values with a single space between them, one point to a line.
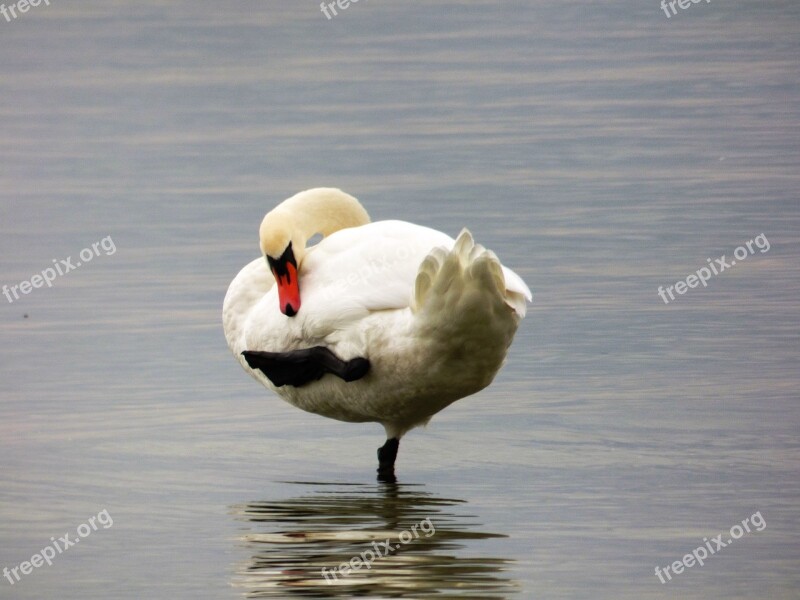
434 316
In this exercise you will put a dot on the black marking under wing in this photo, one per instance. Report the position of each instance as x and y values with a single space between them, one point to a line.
299 367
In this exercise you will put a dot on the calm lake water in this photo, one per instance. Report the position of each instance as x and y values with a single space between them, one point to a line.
601 149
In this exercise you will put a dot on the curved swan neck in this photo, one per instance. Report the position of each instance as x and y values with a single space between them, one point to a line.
299 218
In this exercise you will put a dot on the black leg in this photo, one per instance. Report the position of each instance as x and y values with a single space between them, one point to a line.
386 457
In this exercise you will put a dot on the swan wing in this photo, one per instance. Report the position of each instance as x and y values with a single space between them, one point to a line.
362 270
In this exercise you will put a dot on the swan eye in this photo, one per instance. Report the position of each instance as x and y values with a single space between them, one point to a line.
280 266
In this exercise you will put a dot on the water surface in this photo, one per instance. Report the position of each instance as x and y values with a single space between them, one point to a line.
600 149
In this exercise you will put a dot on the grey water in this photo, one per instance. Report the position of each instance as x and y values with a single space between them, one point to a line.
600 149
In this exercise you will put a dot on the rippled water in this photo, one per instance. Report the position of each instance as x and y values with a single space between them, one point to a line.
409 542
601 149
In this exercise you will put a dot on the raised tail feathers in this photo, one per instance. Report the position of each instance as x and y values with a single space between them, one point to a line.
467 267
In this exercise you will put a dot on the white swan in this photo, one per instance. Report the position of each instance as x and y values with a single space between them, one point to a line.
387 322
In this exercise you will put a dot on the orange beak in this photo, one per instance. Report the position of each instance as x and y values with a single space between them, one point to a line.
288 291
285 271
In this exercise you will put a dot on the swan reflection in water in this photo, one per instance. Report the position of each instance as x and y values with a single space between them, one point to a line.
291 541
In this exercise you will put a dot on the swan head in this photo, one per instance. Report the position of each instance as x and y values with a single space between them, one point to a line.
286 229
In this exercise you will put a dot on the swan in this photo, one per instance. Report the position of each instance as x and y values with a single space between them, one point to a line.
386 322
